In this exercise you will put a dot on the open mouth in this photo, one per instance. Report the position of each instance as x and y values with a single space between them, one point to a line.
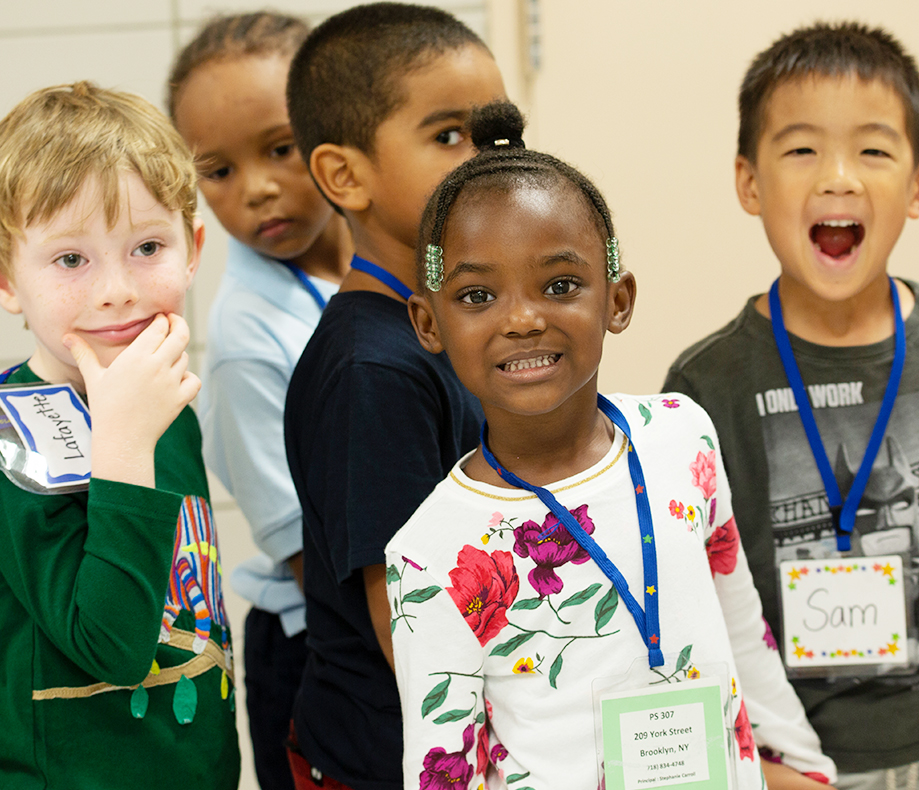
837 237
528 364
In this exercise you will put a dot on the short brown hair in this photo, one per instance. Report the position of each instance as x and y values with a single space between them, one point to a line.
827 50
56 138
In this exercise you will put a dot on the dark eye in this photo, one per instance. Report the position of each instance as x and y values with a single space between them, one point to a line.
148 248
217 174
450 137
280 151
875 152
70 260
476 297
561 288
803 151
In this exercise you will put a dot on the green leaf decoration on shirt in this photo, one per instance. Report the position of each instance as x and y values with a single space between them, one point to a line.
508 647
581 597
392 574
555 669
420 596
645 412
452 715
435 697
527 603
709 442
517 777
185 701
683 659
606 608
140 699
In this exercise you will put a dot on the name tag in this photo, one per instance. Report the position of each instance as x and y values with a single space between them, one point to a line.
54 429
664 737
843 614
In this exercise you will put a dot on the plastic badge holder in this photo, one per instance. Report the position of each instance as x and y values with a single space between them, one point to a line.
45 438
669 726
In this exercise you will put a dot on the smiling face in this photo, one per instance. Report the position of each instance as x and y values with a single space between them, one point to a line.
525 303
233 115
74 274
425 138
834 181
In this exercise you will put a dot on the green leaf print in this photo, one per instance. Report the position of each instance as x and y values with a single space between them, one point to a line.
480 719
508 647
555 669
581 597
709 442
516 777
452 715
527 603
645 412
185 701
435 697
392 574
606 608
420 596
683 659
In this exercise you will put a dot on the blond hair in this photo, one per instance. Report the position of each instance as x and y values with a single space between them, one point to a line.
56 138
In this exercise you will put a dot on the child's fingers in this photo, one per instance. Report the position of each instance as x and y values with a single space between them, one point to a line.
176 341
85 358
153 336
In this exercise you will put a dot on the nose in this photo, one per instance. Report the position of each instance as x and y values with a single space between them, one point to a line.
523 318
115 285
838 176
259 185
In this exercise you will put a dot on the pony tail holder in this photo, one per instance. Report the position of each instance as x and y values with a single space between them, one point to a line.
612 259
433 267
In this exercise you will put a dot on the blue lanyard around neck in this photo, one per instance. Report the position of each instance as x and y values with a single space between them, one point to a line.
307 283
648 621
843 512
385 277
7 373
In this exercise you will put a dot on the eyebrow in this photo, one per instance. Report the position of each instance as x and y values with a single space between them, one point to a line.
444 115
881 128
467 267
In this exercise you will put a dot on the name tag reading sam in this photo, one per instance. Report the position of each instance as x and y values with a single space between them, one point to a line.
661 737
843 614
54 425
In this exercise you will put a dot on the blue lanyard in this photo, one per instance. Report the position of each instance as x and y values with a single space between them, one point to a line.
7 373
648 621
843 513
385 277
311 289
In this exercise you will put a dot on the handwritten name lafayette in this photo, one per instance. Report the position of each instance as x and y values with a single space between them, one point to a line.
61 426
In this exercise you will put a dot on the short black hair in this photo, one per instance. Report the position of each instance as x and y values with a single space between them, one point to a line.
345 79
503 164
827 50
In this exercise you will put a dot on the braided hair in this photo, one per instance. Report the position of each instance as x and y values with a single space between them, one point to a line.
503 163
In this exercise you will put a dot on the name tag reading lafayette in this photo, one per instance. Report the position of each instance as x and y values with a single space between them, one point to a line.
661 737
843 613
52 422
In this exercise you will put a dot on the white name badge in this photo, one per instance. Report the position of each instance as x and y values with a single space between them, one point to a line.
664 737
843 613
55 428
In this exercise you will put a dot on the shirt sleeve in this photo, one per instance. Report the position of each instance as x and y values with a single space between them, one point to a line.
91 571
439 672
774 710
244 444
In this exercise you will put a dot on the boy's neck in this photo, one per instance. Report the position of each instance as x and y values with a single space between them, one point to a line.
546 448
329 256
385 251
860 321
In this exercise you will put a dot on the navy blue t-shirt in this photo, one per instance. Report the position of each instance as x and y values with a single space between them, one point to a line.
373 423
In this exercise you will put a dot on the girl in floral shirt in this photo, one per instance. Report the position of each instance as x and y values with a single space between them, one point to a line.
507 620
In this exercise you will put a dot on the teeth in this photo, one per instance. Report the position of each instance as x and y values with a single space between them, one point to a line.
838 223
526 364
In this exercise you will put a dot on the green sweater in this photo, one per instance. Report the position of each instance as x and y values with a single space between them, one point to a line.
83 581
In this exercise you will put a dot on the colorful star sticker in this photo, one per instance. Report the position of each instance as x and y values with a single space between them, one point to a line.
639 489
794 573
647 538
888 569
800 651
892 648
654 639
650 590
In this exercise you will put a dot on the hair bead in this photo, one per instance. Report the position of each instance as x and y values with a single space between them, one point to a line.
612 259
433 267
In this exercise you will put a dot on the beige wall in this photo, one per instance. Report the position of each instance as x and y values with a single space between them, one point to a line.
638 95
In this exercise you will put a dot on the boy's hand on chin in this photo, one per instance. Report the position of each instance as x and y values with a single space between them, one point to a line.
136 398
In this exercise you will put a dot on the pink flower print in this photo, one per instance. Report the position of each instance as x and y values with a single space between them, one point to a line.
743 732
484 586
496 518
768 638
498 753
722 548
415 565
769 756
703 473
711 511
443 771
552 551
676 508
671 403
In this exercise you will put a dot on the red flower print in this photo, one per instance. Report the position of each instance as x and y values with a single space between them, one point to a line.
722 548
481 750
703 473
551 551
443 771
414 564
743 732
484 586
676 508
817 776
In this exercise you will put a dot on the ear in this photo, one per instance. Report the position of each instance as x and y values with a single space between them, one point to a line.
621 301
194 257
913 209
747 188
8 299
341 173
425 323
